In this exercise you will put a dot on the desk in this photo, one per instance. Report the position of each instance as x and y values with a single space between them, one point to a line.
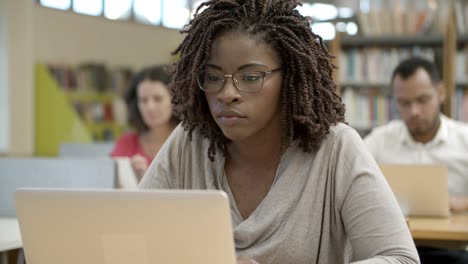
453 228
10 237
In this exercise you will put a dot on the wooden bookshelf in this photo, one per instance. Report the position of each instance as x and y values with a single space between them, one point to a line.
56 120
365 70
95 91
392 41
450 50
66 112
367 62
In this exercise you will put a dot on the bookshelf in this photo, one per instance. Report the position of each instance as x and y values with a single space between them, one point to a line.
56 120
460 96
365 64
95 110
95 92
70 107
392 41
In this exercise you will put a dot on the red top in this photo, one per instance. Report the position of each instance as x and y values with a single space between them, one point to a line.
129 145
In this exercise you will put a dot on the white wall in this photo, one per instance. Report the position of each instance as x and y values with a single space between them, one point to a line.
20 76
4 106
72 38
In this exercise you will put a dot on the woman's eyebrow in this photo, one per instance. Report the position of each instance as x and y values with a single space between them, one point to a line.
240 68
250 65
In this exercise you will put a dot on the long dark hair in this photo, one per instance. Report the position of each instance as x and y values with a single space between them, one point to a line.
309 102
152 73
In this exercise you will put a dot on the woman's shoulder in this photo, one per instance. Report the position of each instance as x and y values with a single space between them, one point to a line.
343 139
342 130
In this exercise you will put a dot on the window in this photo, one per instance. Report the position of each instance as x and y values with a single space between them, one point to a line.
88 7
169 13
326 30
147 11
195 4
118 9
57 4
318 11
175 13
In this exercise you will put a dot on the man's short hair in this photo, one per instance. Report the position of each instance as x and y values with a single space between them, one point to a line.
408 68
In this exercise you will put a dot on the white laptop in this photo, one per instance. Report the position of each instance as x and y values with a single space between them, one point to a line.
121 227
421 190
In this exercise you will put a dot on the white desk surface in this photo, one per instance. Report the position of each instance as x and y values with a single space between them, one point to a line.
10 237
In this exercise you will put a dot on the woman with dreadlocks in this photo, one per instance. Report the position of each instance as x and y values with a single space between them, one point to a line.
261 120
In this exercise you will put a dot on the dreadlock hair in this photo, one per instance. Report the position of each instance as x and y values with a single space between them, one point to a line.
309 101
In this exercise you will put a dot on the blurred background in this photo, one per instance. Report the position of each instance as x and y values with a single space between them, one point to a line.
65 64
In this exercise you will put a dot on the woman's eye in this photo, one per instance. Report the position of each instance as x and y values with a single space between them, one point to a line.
251 77
213 78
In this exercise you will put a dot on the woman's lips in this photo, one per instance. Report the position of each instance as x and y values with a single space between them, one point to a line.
230 117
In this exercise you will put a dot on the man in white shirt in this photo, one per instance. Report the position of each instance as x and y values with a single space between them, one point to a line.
424 135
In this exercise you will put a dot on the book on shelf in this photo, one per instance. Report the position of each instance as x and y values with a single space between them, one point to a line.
95 92
395 21
460 103
461 62
92 77
376 64
461 15
119 79
368 108
64 75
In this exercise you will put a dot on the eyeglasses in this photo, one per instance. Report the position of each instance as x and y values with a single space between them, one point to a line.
246 81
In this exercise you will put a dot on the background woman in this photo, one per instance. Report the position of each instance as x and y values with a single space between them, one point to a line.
150 114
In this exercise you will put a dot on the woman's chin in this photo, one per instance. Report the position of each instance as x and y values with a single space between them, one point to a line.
157 123
235 134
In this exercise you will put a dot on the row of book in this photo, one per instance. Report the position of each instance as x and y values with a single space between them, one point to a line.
96 94
94 77
460 104
461 62
371 107
367 108
399 19
461 14
375 65
105 118
96 111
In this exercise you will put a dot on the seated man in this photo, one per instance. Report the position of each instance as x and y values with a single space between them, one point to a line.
424 135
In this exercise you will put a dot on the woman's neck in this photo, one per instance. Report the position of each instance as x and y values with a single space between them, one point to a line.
262 152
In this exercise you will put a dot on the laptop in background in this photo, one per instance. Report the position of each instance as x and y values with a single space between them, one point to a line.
421 190
121 227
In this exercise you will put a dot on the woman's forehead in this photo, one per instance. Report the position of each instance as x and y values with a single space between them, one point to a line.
241 48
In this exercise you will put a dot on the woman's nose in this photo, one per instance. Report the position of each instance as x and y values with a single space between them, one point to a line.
229 92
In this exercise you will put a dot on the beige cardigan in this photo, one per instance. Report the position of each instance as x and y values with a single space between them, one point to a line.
332 206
